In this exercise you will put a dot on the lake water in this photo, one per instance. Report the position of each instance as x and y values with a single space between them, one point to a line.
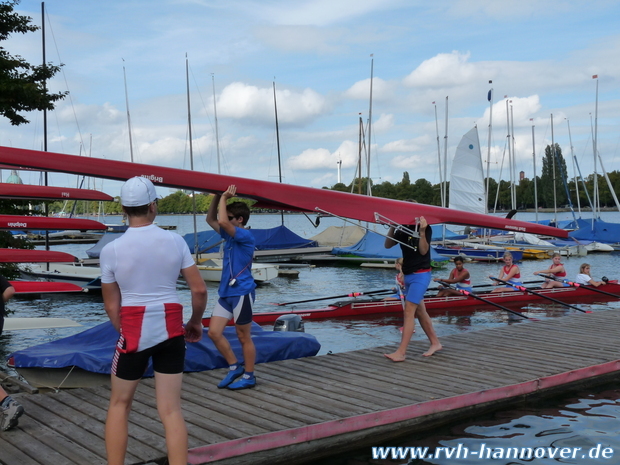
589 417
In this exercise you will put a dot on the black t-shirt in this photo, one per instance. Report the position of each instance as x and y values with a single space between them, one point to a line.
412 259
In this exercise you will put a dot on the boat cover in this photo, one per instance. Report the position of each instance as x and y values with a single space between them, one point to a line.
372 246
597 230
279 237
95 250
92 350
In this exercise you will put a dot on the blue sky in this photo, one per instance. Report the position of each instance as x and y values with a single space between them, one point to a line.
540 53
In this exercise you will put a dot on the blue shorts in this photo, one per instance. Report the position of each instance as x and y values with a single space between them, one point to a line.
513 283
416 285
238 307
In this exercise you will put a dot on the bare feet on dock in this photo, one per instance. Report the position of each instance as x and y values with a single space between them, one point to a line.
433 348
395 357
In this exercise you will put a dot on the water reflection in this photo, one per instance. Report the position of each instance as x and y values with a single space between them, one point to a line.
587 420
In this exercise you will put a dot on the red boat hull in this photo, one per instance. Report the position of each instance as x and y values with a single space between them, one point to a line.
271 194
43 287
441 305
18 222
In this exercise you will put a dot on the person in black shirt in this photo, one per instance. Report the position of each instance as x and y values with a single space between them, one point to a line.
417 270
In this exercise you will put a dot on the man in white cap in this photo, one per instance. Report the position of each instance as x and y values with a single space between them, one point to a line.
139 273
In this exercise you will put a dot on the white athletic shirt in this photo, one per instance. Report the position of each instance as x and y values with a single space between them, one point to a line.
145 262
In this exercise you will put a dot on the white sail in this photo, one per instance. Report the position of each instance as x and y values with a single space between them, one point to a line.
467 176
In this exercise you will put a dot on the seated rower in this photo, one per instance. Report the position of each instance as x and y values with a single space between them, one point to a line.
556 270
584 277
459 276
509 272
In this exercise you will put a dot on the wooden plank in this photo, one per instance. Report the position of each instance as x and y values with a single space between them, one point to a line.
241 412
270 400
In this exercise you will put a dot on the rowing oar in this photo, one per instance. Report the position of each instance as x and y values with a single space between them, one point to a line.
475 296
525 289
350 294
578 285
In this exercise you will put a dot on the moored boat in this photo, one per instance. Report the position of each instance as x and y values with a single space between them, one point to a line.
87 277
478 254
364 306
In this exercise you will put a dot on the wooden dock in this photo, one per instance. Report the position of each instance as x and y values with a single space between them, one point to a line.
305 409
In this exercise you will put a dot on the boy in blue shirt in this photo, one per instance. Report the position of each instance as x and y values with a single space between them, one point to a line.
236 289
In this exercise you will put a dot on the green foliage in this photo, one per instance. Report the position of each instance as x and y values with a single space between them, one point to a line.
22 85
551 190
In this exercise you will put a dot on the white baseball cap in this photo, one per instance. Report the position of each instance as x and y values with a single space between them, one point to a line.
138 191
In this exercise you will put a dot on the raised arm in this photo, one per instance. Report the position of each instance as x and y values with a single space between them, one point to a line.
212 213
423 246
223 219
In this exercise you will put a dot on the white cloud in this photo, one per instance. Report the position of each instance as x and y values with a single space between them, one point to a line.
242 101
313 159
381 90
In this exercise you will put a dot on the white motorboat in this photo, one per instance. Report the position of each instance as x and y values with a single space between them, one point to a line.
211 270
87 277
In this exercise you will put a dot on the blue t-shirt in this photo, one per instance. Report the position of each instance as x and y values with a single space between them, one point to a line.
238 255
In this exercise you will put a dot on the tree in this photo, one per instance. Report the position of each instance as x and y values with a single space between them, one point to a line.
553 176
22 85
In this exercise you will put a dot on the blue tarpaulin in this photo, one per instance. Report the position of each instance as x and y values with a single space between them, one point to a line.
92 350
279 237
597 230
372 246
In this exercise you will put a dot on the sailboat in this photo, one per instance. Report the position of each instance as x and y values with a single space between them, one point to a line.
596 229
467 194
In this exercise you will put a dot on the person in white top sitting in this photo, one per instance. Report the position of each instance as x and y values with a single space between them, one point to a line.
584 277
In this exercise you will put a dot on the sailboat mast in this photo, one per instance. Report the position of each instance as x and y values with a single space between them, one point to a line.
275 106
486 194
217 135
359 158
368 189
128 116
535 181
45 206
595 213
509 149
572 154
441 191
513 165
555 202
445 158
191 154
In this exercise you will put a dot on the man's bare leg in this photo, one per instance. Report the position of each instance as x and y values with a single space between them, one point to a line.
216 329
116 425
244 333
408 326
168 394
429 330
